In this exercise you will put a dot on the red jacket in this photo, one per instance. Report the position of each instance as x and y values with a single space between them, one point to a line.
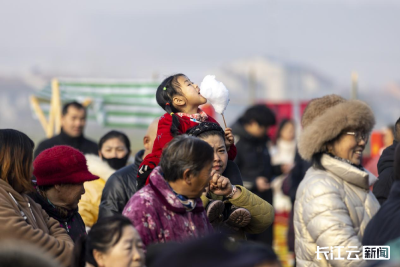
164 137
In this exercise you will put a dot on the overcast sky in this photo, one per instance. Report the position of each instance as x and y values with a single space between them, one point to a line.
133 39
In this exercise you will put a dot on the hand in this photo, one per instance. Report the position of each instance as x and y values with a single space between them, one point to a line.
229 138
262 184
220 185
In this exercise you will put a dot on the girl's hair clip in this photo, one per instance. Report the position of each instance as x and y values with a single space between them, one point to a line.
171 113
165 88
167 104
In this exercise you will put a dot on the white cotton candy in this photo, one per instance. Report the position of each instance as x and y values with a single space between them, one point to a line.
215 92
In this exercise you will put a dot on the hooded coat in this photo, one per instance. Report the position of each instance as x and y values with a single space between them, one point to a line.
119 188
90 201
386 176
38 229
159 216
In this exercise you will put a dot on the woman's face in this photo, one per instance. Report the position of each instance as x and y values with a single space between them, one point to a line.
220 153
128 252
113 148
347 147
288 132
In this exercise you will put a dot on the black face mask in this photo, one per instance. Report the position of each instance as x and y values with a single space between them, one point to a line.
117 163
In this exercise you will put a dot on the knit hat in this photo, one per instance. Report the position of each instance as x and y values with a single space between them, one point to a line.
61 165
325 118
204 127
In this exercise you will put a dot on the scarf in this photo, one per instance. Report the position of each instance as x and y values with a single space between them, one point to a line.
62 212
201 116
188 203
347 161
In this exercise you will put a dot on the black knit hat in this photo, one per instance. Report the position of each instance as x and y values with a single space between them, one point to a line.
204 127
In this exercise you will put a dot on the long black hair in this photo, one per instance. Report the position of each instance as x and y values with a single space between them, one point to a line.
169 88
105 234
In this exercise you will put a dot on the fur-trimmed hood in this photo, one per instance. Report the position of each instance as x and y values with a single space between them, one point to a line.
325 118
98 167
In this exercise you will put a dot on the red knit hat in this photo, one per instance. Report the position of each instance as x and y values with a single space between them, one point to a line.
61 165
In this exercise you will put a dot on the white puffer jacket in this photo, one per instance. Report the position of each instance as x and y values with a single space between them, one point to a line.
332 208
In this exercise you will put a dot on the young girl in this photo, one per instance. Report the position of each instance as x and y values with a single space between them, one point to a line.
180 98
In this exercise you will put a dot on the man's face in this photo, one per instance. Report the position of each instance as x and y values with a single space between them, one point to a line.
74 121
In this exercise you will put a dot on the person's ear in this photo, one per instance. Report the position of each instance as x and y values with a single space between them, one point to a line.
98 257
100 155
178 101
187 177
146 142
57 187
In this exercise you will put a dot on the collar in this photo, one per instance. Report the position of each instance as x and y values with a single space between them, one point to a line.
200 116
59 213
68 139
167 195
346 172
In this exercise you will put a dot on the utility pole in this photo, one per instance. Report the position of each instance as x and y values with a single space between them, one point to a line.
354 85
252 86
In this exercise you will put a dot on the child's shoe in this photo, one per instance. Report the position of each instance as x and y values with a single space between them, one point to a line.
215 210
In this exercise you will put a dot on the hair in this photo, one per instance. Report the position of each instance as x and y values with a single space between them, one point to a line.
74 104
16 154
280 127
182 153
206 129
396 132
260 114
164 99
115 134
105 234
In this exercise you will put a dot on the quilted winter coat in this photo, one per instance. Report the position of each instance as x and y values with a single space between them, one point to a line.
332 208
159 216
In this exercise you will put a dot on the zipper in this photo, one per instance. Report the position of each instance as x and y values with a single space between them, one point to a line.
66 227
29 205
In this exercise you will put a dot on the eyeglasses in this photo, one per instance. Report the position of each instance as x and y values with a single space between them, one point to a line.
359 136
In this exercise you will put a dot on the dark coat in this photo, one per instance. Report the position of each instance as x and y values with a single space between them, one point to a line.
384 226
382 187
253 158
119 188
84 145
71 222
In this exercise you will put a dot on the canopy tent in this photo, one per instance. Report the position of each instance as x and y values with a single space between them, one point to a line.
112 103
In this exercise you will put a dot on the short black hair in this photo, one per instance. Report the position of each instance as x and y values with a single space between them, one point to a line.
396 132
182 153
259 113
115 134
74 104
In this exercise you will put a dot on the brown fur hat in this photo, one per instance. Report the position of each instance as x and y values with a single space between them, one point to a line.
325 118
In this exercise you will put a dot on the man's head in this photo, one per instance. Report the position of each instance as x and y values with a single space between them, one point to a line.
257 119
148 139
73 119
397 131
60 172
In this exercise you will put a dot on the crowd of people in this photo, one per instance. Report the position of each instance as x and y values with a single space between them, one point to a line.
198 194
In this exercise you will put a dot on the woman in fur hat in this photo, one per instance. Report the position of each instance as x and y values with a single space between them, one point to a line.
333 202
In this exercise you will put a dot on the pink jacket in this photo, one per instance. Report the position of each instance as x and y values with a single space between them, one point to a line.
159 216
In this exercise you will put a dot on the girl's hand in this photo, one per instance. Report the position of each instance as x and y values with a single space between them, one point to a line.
229 138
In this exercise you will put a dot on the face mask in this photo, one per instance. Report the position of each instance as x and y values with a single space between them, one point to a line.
117 163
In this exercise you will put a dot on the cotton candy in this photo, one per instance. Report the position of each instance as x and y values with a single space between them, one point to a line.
215 92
